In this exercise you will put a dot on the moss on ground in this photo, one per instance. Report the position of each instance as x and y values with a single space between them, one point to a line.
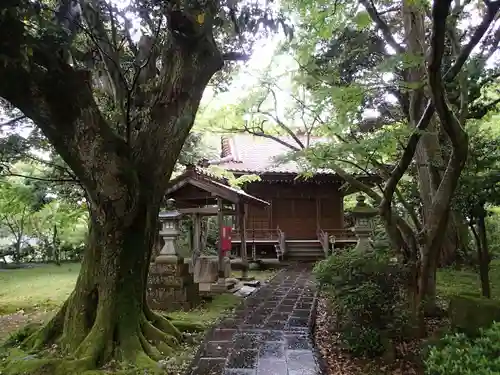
14 361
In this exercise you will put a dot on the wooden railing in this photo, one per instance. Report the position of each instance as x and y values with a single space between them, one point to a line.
281 249
331 236
257 234
324 240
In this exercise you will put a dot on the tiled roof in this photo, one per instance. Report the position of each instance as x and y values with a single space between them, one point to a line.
207 181
253 154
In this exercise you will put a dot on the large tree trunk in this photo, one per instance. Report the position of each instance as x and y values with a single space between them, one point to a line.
106 315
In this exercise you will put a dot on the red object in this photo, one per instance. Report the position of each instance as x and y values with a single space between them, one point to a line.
226 239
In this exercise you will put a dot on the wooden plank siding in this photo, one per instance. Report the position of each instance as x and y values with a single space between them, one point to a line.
299 211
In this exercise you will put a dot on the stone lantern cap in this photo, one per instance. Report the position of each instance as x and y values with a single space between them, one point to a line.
169 215
363 209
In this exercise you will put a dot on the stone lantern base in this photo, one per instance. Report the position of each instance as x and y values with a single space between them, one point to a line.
170 285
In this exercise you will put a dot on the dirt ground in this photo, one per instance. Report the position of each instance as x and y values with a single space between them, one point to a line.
406 360
10 323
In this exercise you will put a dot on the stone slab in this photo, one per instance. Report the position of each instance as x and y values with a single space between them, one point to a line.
245 291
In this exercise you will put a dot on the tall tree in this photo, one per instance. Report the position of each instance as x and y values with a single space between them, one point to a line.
118 111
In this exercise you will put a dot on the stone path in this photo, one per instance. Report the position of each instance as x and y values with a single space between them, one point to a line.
269 334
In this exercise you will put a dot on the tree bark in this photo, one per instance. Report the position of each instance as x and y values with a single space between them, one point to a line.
483 253
484 256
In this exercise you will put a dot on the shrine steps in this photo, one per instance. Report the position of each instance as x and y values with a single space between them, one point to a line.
304 251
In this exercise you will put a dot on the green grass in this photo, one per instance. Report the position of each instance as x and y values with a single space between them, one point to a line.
41 287
47 286
452 282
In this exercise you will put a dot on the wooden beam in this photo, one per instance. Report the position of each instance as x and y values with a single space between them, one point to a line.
206 211
220 222
196 236
242 208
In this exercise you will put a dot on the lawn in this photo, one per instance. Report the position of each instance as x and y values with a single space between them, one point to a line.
40 287
451 282
47 286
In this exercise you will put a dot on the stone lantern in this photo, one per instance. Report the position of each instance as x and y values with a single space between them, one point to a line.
363 214
169 232
170 286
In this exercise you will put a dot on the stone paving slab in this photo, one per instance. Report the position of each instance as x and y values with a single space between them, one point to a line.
268 334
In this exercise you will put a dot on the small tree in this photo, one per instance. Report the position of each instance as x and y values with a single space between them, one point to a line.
52 224
16 209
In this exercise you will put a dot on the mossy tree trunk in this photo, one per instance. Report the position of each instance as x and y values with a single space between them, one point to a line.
106 315
124 176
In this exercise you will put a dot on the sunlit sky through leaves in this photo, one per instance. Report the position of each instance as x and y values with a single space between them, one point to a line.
264 61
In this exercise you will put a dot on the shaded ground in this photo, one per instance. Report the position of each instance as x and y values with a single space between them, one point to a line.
269 333
407 358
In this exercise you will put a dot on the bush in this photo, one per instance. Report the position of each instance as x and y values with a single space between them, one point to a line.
458 355
367 298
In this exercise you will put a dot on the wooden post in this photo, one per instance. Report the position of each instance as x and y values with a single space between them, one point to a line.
195 235
242 224
220 221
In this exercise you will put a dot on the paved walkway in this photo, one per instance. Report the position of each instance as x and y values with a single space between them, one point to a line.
269 333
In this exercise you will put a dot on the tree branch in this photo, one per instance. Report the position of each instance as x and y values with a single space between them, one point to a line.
235 56
108 51
12 121
64 180
479 112
375 16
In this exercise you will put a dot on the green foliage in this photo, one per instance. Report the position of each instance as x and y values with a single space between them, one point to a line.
479 182
493 230
456 354
60 226
35 223
17 202
233 181
366 292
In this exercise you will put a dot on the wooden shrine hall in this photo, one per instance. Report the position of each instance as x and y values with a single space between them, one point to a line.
305 217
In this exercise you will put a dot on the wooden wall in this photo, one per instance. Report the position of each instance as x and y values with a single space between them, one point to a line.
298 210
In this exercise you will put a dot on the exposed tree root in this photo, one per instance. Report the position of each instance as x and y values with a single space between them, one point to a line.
48 332
154 339
187 326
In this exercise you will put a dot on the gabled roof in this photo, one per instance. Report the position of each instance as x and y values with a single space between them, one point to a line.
216 186
254 154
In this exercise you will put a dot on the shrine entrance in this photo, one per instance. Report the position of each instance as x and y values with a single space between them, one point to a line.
197 194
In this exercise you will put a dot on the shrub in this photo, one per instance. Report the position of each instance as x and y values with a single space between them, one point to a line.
456 354
367 298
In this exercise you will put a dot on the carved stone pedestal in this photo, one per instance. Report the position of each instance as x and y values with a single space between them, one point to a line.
170 285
